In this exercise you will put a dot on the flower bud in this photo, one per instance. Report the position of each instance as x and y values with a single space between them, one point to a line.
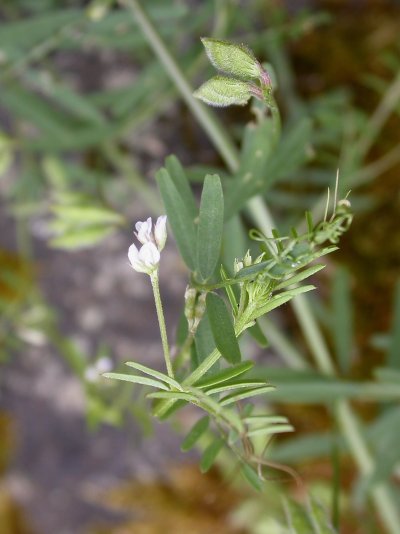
237 266
199 309
247 260
190 299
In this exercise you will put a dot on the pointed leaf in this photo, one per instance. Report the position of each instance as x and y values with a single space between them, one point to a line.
173 395
270 429
300 276
225 374
265 419
237 396
137 380
210 454
179 217
178 176
236 384
251 476
278 300
195 433
257 334
222 92
222 328
211 221
156 374
233 59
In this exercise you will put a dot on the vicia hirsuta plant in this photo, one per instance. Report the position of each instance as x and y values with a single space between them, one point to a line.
222 301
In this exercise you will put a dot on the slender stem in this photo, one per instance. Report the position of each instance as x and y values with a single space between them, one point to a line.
161 322
206 364
313 335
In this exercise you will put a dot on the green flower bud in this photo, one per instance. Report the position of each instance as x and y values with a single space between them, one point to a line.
221 91
233 59
190 300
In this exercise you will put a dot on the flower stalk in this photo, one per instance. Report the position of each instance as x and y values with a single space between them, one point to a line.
161 321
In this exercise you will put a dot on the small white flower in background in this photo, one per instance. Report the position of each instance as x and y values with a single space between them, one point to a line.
147 258
94 372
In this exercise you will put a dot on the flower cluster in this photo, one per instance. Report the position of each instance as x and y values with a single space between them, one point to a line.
147 258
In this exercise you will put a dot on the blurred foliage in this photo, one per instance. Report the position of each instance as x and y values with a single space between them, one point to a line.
71 157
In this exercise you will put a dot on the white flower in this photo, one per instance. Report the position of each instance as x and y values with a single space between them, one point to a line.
147 258
145 234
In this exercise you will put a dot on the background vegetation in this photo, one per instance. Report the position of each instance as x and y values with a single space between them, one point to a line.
93 97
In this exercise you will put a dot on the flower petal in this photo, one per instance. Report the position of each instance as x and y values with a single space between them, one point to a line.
149 255
144 233
133 253
160 231
135 261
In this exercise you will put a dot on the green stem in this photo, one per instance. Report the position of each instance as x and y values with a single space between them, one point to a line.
206 364
161 322
313 335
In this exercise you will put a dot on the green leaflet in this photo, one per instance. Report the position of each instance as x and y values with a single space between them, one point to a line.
295 279
221 91
179 218
240 395
195 433
211 221
137 380
233 59
156 374
235 384
204 344
271 429
181 182
251 476
222 329
225 375
210 454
